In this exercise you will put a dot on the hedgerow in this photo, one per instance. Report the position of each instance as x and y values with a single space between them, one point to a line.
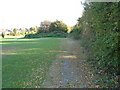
99 34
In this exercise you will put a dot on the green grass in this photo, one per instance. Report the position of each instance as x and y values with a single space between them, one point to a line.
25 62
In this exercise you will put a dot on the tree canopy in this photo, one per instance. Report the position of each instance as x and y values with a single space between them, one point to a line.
58 26
15 30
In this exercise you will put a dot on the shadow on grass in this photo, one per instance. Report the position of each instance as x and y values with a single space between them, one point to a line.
14 38
20 40
36 53
15 41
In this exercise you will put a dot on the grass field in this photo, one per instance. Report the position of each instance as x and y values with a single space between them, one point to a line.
26 61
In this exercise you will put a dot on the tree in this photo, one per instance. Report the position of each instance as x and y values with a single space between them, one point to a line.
3 35
23 32
76 32
45 25
36 29
15 31
32 29
58 26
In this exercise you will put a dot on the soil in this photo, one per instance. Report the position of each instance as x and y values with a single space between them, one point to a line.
70 69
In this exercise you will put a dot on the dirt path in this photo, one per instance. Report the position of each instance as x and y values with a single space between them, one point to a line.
70 69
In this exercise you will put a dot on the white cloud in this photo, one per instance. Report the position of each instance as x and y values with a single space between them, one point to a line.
26 13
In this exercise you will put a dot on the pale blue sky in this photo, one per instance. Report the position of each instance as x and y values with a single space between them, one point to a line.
27 13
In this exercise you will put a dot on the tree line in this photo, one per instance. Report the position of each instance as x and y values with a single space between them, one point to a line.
46 29
50 29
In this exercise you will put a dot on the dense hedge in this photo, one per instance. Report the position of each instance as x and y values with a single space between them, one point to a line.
99 33
43 35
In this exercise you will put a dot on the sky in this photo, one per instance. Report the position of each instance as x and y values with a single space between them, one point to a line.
29 13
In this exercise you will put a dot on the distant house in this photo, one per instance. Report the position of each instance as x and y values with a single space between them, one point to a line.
5 31
10 31
26 30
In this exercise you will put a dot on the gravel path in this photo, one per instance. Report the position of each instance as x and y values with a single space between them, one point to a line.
70 69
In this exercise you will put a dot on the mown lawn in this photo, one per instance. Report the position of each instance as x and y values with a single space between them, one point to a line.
25 62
